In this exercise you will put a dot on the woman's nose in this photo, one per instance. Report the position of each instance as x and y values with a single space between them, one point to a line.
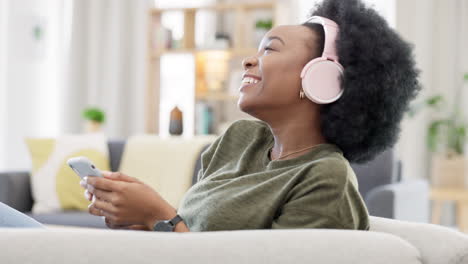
249 62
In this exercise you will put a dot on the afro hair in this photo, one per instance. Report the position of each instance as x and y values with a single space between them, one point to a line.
380 80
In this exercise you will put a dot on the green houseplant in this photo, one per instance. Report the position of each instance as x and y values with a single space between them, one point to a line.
94 117
446 130
261 28
266 24
446 139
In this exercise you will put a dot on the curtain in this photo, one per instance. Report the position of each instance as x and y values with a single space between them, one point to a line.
106 64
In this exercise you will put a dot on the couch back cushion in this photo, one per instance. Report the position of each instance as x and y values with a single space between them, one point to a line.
166 164
379 171
116 148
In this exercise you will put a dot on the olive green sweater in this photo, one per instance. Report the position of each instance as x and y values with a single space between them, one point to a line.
239 186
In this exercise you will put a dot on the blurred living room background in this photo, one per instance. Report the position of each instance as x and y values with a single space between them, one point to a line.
172 69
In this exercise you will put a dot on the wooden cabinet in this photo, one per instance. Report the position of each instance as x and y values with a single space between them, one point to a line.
213 66
459 196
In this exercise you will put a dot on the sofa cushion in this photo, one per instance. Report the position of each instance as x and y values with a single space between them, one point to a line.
70 218
166 164
248 246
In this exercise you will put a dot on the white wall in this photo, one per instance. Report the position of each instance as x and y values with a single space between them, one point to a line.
3 81
33 76
439 32
24 81
415 28
386 8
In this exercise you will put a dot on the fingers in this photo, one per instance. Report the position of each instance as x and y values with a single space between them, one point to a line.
90 188
88 195
104 207
94 211
109 224
106 196
118 176
112 225
102 183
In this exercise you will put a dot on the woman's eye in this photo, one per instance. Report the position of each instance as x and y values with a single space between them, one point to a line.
268 48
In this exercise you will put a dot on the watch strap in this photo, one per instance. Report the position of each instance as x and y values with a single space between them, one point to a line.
167 225
174 221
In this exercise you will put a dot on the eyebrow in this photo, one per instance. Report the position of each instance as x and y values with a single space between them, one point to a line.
275 37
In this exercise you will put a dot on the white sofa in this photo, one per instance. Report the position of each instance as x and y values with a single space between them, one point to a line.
388 242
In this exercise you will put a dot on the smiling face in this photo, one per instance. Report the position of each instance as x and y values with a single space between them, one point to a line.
272 77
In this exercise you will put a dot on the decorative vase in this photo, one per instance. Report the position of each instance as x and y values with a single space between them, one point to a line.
176 122
449 171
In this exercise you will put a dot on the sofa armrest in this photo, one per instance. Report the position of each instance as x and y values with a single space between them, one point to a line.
437 244
406 200
15 190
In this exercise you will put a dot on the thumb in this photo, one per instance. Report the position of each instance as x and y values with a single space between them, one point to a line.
118 176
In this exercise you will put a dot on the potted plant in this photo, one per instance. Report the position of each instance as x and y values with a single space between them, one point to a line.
94 117
261 28
446 140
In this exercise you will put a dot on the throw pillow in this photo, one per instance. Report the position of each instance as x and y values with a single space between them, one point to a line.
54 185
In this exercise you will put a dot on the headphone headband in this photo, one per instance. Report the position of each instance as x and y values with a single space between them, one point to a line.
331 30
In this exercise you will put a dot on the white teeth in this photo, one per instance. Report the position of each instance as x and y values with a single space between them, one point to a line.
249 80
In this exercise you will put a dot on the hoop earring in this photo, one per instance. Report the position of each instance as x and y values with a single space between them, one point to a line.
301 94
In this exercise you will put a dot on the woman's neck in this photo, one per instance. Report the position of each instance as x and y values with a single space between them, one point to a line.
294 136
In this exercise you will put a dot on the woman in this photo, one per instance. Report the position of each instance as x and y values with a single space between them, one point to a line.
289 169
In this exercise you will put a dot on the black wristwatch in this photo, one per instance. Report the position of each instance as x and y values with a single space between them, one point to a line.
167 225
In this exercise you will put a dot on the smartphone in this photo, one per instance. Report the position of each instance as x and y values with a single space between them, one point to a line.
83 167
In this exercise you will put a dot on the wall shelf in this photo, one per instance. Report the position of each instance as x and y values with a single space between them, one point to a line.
203 62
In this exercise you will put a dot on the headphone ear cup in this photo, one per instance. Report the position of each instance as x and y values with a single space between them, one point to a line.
321 80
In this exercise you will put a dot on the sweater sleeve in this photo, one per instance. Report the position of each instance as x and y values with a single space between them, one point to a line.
326 198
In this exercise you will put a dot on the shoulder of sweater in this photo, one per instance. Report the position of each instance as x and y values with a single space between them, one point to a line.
325 175
333 169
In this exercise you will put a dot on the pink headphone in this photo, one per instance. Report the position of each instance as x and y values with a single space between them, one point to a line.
321 77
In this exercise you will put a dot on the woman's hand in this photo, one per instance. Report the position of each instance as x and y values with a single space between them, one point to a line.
126 202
